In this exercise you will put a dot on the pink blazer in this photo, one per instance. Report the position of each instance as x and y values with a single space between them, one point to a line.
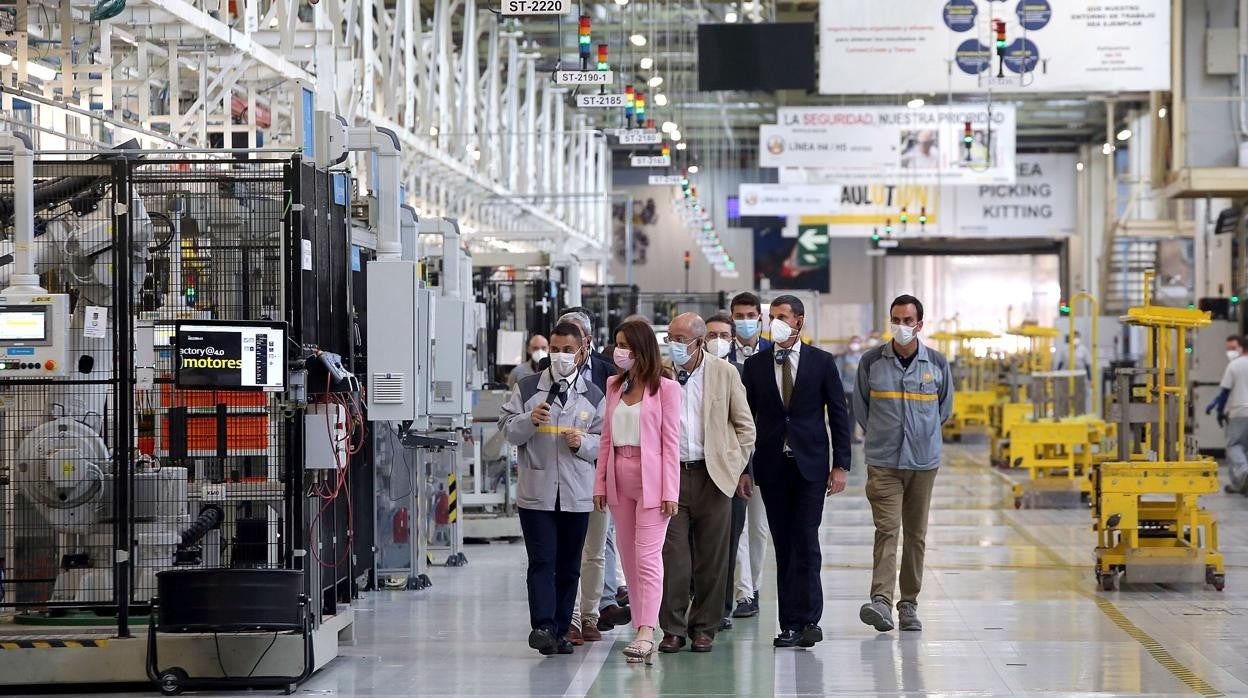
660 446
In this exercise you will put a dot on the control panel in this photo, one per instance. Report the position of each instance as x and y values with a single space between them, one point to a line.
34 335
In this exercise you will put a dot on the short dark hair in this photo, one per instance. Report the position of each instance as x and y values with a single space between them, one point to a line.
907 299
721 318
567 329
792 301
746 298
1237 339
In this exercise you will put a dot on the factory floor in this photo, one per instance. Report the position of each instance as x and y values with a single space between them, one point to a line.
1009 606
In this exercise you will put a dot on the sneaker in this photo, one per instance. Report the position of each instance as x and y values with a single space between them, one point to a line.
908 616
877 614
746 608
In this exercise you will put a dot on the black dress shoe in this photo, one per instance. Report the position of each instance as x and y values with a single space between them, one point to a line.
543 641
787 638
564 646
809 636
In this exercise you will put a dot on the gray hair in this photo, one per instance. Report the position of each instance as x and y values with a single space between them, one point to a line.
580 320
697 326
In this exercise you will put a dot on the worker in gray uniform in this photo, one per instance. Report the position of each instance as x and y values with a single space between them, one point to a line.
1232 406
554 418
902 396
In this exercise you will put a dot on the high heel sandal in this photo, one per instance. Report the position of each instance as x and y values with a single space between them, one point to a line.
634 654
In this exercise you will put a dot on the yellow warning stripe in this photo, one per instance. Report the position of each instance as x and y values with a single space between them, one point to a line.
51 644
918 397
452 499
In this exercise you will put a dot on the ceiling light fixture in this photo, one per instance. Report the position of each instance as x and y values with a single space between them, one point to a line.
1124 134
916 103
433 131
669 126
637 40
693 169
1161 113
676 135
681 146
1107 148
647 63
660 100
656 81
730 17
1079 166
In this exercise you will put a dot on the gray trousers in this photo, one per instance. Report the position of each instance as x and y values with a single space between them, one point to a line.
1237 451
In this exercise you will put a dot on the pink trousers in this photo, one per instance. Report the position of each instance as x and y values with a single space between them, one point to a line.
639 536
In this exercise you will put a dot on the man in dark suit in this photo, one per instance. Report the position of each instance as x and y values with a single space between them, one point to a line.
791 387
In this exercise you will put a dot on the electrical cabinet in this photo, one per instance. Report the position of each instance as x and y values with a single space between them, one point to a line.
399 339
454 330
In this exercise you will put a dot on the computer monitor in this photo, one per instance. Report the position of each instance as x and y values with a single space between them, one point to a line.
230 355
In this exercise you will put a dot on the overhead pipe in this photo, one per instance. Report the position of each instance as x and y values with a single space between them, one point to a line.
384 144
22 153
448 229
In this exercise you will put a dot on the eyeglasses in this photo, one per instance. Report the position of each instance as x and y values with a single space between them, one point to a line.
678 340
906 323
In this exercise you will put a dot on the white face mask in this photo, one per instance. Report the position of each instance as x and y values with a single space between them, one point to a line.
873 341
538 355
563 364
781 332
719 347
1231 355
855 347
903 335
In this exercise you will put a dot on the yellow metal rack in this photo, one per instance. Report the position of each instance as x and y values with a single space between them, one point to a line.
1148 520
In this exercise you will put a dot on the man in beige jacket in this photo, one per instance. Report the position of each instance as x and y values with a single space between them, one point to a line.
716 436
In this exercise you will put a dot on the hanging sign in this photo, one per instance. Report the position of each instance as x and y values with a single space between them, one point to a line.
1040 203
651 160
536 7
926 46
585 77
600 101
788 199
665 180
930 145
640 136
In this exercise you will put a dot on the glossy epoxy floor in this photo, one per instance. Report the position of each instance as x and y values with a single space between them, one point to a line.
1009 607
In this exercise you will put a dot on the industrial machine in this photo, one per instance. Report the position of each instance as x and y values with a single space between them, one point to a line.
177 392
1148 520
1064 435
1013 407
974 376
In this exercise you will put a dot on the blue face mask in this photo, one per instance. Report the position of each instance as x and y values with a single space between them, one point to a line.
746 328
679 353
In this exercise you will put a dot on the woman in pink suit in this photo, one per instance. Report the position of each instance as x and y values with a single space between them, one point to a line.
639 472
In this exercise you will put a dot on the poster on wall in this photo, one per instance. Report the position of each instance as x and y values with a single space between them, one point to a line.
1040 203
791 263
925 46
645 218
930 145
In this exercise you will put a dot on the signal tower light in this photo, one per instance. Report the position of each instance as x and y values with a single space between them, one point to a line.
888 227
650 124
905 218
998 26
968 138
630 102
602 57
923 216
875 234
1064 308
583 38
640 107
665 150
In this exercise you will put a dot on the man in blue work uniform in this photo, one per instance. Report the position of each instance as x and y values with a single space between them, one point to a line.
1232 406
901 398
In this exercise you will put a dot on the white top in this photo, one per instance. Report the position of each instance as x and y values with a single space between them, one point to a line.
1235 379
626 424
794 356
691 437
